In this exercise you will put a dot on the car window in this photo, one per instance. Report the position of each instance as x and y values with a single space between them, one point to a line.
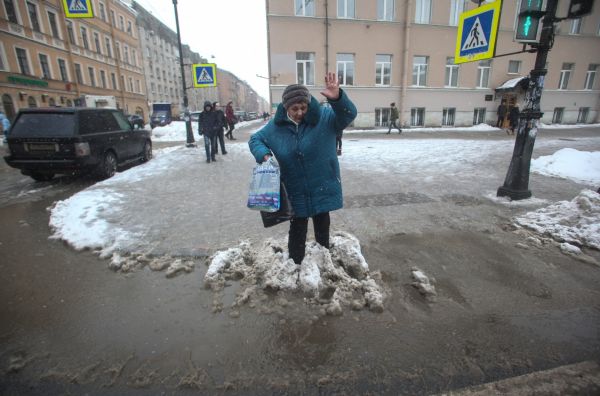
44 125
123 123
109 121
91 122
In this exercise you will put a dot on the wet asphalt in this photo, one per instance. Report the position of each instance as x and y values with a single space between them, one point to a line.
70 325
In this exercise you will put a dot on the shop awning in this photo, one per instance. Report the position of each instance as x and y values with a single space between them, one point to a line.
514 84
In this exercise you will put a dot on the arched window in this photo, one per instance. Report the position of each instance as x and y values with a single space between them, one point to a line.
31 102
51 102
9 107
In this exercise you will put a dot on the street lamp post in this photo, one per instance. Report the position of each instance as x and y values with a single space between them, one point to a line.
186 112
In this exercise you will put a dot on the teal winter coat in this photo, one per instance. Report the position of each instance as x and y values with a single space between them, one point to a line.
306 154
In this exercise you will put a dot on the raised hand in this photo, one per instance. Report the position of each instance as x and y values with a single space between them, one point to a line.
332 87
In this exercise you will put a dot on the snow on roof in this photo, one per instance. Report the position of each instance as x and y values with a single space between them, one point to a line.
510 84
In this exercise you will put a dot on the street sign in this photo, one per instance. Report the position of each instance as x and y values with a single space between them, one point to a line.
205 75
477 33
78 8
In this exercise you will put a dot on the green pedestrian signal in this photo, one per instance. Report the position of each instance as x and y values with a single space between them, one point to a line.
528 21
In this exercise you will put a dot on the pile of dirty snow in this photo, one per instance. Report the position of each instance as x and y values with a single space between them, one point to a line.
328 278
576 222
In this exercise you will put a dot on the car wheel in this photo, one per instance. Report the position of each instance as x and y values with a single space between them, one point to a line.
108 166
147 154
41 177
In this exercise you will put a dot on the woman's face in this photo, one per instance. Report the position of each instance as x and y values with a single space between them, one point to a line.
297 111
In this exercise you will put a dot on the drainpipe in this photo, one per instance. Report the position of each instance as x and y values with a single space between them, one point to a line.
326 37
407 8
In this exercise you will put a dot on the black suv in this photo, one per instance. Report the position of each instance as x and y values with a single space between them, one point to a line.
44 142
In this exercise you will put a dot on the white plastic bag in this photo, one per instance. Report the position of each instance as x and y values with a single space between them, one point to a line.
264 187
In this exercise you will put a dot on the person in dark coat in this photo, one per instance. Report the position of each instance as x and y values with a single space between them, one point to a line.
513 117
230 119
302 137
208 126
394 115
220 137
501 112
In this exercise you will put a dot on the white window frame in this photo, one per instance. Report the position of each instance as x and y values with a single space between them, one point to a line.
583 115
418 69
48 63
423 11
484 69
302 11
58 33
380 67
590 77
28 57
102 10
384 4
66 69
576 26
126 53
448 113
18 12
121 22
557 115
479 114
114 81
37 15
4 66
452 70
73 30
108 47
98 45
103 82
92 76
85 43
308 76
81 74
518 63
349 11
138 86
382 116
565 76
417 116
343 77
457 7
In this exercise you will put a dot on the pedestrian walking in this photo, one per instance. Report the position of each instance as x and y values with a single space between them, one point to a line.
501 112
208 125
5 125
302 137
394 115
221 119
513 117
230 119
338 142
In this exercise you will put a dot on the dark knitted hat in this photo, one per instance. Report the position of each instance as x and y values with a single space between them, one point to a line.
295 93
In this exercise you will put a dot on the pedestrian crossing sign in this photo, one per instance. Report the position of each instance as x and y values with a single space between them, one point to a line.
477 33
78 8
205 75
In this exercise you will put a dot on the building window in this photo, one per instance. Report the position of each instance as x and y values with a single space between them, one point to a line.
138 86
108 47
92 76
102 11
383 69
419 74
53 25
153 88
385 10
158 73
590 76
483 73
575 26
103 78
62 67
582 117
97 42
382 116
130 84
448 116
126 53
22 60
45 66
78 75
514 67
113 80
84 38
31 103
558 115
479 115
112 18
3 62
11 12
122 22
417 116
345 9
117 50
456 8
133 57
304 7
423 11
123 86
129 29
33 16
451 73
345 68
565 75
70 32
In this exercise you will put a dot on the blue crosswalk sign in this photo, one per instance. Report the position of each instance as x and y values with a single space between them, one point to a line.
477 32
205 75
78 8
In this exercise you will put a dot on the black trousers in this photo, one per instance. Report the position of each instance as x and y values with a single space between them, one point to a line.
297 235
221 141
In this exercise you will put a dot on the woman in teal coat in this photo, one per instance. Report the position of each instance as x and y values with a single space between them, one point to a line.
302 137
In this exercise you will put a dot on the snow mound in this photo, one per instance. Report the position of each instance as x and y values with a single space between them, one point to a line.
328 278
568 163
576 222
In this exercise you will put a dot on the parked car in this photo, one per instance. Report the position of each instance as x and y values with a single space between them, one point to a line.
48 141
241 115
136 121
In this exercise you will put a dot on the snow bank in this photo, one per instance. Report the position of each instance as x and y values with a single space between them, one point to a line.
568 163
576 222
330 279
176 132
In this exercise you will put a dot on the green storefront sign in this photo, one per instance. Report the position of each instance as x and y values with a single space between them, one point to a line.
27 81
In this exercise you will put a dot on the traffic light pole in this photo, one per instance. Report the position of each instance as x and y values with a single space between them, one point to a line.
516 184
190 142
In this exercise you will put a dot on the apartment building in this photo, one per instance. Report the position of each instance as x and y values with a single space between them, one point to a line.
47 59
402 51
